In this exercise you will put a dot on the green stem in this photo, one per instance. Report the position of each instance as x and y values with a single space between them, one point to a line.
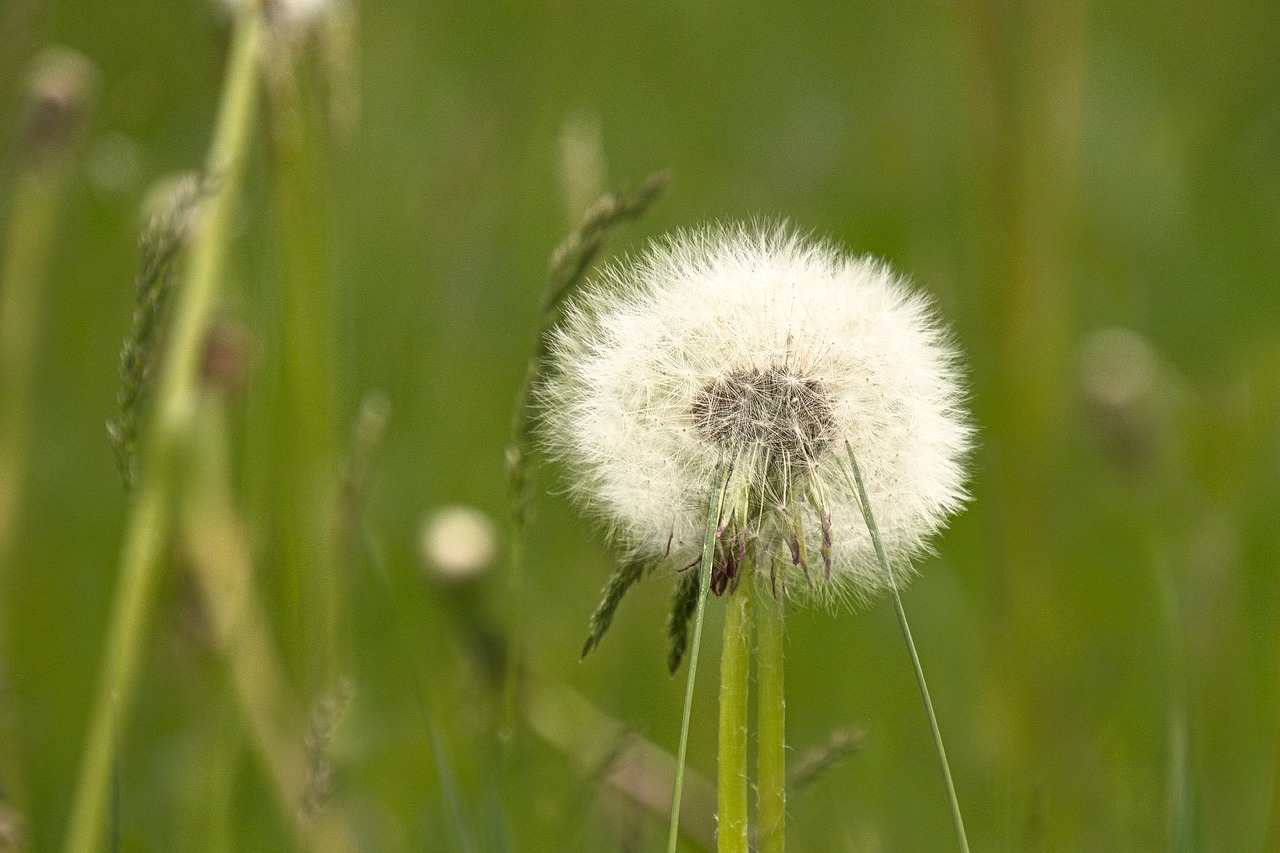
59 91
221 558
704 585
867 516
306 432
151 518
771 711
735 672
30 238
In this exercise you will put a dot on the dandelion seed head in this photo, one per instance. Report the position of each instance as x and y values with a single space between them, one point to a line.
760 346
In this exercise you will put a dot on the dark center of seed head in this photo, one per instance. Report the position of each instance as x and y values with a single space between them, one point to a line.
775 409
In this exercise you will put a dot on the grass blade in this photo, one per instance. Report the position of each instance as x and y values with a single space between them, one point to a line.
861 491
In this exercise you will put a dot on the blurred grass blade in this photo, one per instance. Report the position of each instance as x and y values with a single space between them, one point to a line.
462 835
221 558
305 464
57 103
59 91
811 766
150 520
615 757
569 263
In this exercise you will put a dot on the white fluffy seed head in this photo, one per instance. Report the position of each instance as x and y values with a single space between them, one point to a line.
757 345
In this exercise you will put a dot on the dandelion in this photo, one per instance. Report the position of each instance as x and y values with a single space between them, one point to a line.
776 353
737 399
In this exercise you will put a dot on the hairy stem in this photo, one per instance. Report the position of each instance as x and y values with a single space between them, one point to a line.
771 712
714 507
735 672
861 491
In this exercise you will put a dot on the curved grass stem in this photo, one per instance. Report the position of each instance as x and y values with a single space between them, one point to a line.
860 490
704 585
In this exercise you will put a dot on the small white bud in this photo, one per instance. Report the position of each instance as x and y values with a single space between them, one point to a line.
458 542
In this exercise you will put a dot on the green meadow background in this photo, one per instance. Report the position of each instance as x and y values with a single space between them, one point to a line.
1099 627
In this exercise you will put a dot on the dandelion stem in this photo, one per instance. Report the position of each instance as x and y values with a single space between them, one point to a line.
771 708
704 585
151 516
733 834
867 516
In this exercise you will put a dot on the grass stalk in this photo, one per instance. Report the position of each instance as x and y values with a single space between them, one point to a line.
221 558
569 264
403 628
735 675
57 101
615 755
714 506
867 515
1184 821
771 710
149 522
26 254
306 432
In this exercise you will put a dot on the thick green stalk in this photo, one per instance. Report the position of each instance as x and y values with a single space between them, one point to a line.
151 518
735 677
704 585
771 723
306 435
59 92
30 238
861 491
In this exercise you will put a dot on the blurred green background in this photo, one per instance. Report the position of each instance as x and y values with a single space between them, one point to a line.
1098 628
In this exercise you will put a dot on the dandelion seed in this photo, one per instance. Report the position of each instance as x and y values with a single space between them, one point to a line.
759 346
